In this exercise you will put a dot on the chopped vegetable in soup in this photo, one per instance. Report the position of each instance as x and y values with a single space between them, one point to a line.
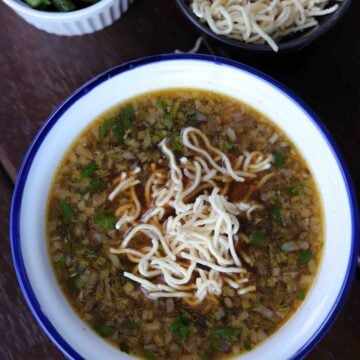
182 224
59 5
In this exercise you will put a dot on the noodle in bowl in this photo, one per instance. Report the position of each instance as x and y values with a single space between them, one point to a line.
260 22
32 264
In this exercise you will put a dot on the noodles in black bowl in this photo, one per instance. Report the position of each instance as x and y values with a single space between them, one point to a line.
264 25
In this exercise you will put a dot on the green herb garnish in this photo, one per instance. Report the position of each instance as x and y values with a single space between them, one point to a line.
169 121
76 284
294 190
105 127
66 211
94 185
128 118
148 355
304 257
226 332
118 132
104 330
60 263
279 159
301 294
130 325
276 213
88 170
176 142
228 145
105 221
180 328
126 122
161 104
257 238
248 346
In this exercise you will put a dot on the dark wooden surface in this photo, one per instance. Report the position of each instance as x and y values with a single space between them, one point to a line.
38 70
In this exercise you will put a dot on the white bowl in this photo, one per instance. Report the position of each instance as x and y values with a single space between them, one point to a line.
32 264
78 22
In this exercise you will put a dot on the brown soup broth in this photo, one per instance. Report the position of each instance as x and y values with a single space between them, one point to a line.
284 239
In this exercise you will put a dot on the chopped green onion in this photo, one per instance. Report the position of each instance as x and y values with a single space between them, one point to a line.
119 127
75 284
66 211
60 263
94 185
301 294
105 221
257 238
279 159
176 142
105 127
248 346
276 213
304 257
226 332
294 190
88 170
169 121
118 133
228 145
130 325
180 328
161 104
128 118
104 330
148 355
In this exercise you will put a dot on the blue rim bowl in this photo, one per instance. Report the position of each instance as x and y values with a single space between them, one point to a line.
18 259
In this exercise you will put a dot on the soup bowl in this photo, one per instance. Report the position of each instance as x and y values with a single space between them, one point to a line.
37 280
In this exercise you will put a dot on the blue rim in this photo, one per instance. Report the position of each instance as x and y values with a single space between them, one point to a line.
53 118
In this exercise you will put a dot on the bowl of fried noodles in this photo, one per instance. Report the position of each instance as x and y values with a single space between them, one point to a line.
264 25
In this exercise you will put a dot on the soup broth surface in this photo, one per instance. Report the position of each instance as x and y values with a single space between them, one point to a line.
278 241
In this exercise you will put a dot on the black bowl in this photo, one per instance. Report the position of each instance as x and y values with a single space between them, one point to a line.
293 43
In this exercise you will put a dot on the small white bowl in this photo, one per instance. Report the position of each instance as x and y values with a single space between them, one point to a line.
78 22
31 260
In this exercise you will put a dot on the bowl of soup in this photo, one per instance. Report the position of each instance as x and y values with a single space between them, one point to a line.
183 207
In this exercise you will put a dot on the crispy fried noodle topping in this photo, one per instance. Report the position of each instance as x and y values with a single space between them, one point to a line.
193 230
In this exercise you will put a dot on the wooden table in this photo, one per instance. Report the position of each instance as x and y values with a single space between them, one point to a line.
38 70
